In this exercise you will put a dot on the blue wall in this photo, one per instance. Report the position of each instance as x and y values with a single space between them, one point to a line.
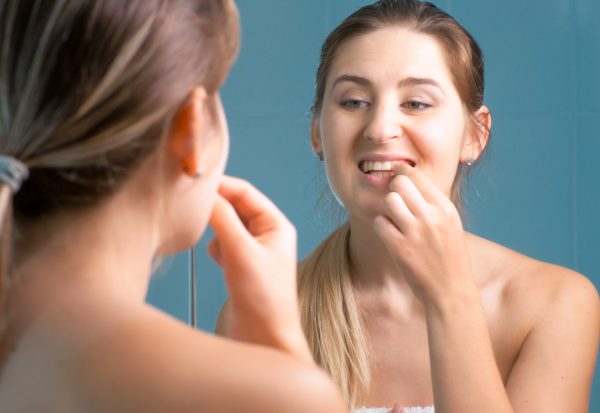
538 189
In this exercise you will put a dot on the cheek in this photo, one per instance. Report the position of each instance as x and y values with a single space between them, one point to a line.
339 135
439 135
336 146
188 217
189 212
439 142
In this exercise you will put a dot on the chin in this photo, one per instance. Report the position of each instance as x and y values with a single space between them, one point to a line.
365 212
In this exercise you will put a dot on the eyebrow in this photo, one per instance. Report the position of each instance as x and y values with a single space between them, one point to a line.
352 78
409 81
417 81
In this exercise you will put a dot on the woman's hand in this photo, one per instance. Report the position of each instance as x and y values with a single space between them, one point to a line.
423 232
397 409
255 245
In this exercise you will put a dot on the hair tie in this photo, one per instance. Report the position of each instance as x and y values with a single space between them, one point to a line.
13 172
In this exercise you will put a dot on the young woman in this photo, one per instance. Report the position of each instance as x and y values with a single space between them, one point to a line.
113 143
400 304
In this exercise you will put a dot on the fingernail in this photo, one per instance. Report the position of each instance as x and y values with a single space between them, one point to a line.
401 168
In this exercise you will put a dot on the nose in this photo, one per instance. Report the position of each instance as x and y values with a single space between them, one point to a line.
384 123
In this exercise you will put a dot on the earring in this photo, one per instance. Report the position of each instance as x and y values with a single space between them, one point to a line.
320 156
194 172
198 173
469 162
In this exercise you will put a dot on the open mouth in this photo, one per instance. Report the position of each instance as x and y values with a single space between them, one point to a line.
382 168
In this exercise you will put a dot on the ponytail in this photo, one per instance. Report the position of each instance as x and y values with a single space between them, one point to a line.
12 174
6 196
331 316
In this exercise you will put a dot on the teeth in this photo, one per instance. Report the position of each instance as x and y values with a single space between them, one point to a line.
381 174
368 166
375 166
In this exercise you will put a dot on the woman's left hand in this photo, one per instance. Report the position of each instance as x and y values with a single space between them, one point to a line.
397 409
423 232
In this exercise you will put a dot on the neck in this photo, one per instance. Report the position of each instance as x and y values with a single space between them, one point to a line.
104 251
372 265
375 272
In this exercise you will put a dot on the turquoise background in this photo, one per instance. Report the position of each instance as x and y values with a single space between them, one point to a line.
537 191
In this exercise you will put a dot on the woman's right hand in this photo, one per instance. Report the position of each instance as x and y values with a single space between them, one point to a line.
255 244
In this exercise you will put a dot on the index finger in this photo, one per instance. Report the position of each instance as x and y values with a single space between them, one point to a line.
428 189
255 209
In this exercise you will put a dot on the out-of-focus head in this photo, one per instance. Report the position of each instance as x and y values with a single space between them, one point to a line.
102 95
90 88
460 52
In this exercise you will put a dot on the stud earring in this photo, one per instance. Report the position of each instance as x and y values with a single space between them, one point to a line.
193 172
469 162
320 156
198 173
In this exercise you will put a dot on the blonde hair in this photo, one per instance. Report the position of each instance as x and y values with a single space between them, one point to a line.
330 315
88 90
330 311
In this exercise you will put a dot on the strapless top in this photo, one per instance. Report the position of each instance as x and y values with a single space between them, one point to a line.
427 409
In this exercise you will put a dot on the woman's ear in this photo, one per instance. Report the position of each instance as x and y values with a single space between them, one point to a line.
315 138
182 141
478 136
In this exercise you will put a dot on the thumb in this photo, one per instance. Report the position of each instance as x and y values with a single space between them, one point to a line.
228 227
214 251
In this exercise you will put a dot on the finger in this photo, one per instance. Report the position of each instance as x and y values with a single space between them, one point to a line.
397 408
430 192
387 231
414 200
214 251
397 211
228 227
256 210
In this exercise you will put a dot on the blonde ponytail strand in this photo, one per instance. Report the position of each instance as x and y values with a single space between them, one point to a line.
331 316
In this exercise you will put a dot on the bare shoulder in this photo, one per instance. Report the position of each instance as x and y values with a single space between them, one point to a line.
158 364
545 324
535 286
566 300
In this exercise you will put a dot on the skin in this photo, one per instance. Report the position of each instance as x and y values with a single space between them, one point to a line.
83 338
452 319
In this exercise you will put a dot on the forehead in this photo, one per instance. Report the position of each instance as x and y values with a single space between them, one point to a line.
392 53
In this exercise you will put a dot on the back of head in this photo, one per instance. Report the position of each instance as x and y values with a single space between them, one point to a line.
88 89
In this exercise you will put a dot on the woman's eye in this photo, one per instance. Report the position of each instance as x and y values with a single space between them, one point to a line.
354 104
415 105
